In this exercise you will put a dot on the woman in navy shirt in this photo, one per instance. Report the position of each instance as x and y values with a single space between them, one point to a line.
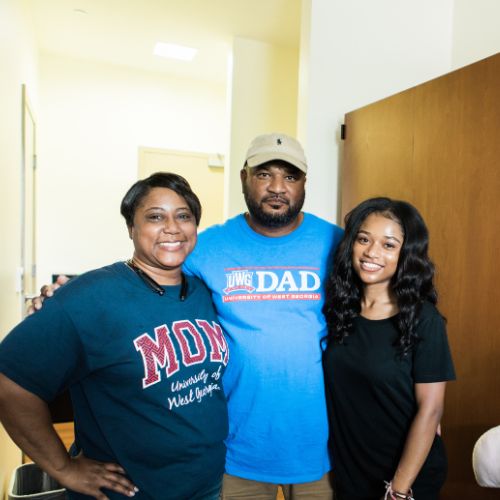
139 346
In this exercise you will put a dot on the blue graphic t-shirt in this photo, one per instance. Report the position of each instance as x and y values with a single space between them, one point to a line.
268 293
144 372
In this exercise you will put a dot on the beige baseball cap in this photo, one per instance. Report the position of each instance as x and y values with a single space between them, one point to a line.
276 146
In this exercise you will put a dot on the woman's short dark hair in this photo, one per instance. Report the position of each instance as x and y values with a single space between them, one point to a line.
168 180
412 282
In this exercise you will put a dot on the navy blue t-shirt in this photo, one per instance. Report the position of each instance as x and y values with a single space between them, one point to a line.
144 373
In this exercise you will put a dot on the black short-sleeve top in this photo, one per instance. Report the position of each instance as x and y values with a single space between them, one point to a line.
371 399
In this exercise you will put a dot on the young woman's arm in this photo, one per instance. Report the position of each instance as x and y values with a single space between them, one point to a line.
27 419
430 401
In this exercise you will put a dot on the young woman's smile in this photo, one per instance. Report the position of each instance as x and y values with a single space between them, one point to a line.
376 249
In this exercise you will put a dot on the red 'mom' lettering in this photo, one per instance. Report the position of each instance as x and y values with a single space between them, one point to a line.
217 341
181 329
159 353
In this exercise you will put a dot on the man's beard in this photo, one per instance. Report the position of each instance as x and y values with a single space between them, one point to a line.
271 220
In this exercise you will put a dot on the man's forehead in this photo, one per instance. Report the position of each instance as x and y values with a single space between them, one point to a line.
278 165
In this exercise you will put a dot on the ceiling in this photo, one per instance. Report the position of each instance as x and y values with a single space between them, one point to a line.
124 32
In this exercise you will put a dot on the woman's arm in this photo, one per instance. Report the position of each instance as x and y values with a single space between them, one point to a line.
27 419
430 401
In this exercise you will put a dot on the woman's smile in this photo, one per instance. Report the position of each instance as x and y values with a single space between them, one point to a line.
171 245
370 266
375 252
164 234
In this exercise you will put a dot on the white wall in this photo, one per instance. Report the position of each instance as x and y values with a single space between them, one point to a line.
263 83
358 52
18 65
93 119
476 31
95 116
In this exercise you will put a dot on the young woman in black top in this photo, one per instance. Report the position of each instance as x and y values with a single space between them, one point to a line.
386 359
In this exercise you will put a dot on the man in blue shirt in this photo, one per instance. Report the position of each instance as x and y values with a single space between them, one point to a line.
265 270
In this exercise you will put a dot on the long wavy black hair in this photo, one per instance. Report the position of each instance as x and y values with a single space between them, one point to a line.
412 282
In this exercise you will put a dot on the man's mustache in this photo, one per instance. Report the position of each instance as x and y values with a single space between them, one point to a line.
276 198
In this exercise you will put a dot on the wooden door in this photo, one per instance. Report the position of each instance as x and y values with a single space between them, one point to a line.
437 145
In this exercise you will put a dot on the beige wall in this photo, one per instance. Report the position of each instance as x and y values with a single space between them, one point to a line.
263 98
17 66
93 119
94 116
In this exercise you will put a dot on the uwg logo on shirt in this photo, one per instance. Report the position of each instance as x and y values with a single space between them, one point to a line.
160 352
272 283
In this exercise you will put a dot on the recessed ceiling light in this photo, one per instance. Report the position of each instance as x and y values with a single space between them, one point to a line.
174 51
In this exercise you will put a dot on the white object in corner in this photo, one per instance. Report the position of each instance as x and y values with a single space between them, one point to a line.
216 160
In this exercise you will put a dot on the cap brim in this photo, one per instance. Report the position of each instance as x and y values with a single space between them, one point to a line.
259 159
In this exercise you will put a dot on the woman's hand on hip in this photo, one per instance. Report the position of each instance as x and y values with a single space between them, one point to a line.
88 476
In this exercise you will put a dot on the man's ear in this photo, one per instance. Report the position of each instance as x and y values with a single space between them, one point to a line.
243 176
